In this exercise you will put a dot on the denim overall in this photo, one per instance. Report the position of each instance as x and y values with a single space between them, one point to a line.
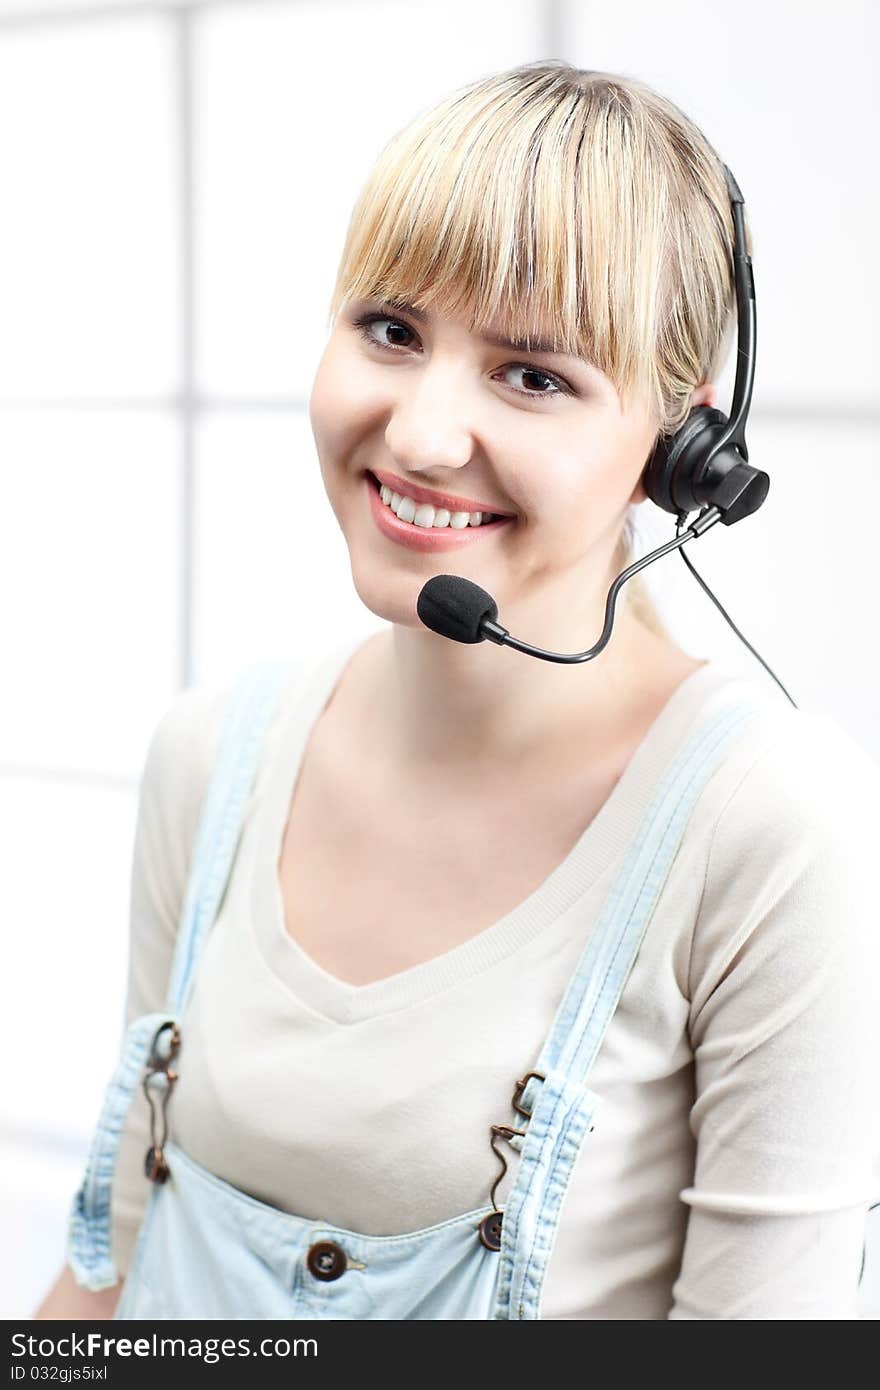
206 1249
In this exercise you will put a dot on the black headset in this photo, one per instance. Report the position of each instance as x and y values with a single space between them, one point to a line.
699 465
702 466
705 462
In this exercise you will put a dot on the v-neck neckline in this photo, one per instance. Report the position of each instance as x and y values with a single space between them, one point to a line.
600 846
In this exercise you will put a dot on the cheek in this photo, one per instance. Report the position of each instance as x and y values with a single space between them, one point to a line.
572 485
599 477
575 504
327 412
343 404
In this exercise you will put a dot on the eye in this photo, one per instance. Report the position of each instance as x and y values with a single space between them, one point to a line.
364 323
558 388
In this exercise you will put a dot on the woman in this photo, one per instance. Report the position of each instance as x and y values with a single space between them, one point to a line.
500 931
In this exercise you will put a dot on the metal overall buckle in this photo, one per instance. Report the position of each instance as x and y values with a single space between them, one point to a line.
490 1226
155 1164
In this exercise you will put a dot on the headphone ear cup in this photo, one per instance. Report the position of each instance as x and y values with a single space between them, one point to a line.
677 460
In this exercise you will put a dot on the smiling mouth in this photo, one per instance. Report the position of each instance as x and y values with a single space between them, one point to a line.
422 537
487 518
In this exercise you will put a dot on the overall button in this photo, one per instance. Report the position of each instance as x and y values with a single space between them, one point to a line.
490 1230
326 1259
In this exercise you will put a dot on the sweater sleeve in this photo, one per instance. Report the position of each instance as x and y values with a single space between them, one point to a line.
173 784
785 1035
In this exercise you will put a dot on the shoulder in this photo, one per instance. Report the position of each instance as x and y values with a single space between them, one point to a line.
182 749
176 769
788 873
803 782
183 744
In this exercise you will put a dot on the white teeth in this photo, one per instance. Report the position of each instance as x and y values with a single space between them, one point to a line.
423 514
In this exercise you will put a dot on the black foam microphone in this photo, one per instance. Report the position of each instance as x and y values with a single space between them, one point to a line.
459 609
456 608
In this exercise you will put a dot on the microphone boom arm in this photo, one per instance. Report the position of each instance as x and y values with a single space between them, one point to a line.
494 632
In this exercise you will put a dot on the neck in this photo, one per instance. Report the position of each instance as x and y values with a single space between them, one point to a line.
470 709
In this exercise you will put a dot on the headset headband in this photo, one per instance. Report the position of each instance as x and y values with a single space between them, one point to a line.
744 281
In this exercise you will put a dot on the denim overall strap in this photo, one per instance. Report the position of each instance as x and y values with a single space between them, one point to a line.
253 703
560 1106
88 1232
255 696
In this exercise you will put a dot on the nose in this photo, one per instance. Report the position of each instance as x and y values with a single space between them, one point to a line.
428 425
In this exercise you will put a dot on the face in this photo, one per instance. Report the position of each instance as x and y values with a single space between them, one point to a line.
435 408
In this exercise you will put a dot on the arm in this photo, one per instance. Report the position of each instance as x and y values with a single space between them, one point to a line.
172 786
69 1301
786 1039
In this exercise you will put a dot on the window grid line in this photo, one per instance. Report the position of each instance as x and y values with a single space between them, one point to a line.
188 502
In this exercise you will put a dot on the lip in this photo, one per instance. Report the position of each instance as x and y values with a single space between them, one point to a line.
424 538
436 499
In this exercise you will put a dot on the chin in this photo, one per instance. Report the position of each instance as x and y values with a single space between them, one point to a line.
389 595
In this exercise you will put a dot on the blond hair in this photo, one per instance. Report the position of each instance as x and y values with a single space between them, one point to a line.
584 201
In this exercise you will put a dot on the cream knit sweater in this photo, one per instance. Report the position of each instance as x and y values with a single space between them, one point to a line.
737 1144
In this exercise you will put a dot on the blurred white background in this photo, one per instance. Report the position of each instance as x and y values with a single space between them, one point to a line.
176 183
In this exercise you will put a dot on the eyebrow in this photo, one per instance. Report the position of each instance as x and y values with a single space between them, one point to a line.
493 339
